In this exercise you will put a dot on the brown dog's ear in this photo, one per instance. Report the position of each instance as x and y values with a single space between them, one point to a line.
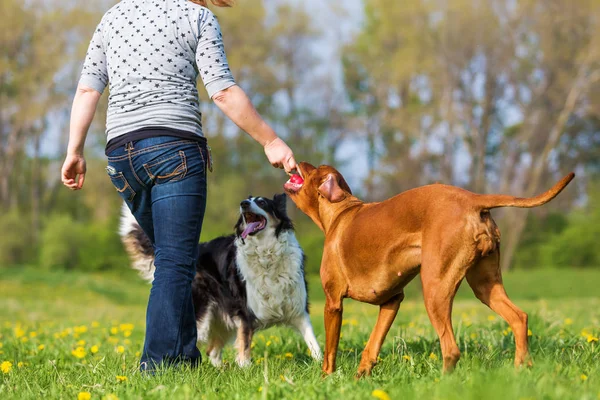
331 190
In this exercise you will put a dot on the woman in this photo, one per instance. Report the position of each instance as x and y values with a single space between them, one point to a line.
150 53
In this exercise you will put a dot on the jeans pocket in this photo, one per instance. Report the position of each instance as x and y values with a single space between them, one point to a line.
120 183
169 168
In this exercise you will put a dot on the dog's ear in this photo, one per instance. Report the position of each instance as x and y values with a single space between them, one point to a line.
238 227
331 190
279 202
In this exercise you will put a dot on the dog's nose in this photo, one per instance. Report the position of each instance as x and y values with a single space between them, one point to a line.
245 204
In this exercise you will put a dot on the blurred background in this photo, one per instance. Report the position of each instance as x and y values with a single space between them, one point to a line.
494 96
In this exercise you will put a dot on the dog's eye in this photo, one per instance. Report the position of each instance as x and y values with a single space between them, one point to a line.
261 202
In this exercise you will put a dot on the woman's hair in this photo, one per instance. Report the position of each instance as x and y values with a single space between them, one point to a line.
218 3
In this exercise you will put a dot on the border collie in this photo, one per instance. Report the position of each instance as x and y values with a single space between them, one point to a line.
251 280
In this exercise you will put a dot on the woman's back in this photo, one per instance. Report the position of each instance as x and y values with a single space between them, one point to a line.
151 52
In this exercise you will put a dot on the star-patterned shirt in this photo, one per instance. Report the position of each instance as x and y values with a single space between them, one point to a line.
150 53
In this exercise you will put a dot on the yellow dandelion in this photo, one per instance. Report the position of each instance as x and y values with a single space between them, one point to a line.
125 327
268 343
79 352
21 364
24 339
568 321
529 333
380 394
120 349
1 345
252 345
282 378
41 347
6 367
289 355
473 335
80 329
19 332
114 330
94 349
32 334
491 317
127 333
583 377
411 324
81 343
84 396
260 388
138 353
95 324
406 357
591 339
432 356
127 342
121 378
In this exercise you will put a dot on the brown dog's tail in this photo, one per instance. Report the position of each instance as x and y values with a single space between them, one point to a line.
488 201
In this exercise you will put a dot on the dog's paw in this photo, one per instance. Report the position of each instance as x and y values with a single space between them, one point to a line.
243 363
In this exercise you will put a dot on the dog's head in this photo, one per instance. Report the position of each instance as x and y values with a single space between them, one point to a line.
314 186
259 215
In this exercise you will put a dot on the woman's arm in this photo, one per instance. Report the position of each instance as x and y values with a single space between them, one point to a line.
82 113
234 103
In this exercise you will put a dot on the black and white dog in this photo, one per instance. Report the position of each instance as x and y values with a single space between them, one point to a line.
244 282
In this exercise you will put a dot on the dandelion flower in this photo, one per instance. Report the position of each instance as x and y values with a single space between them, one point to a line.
568 321
84 396
260 388
94 349
79 352
81 343
127 333
32 334
432 356
138 353
268 343
529 333
491 317
473 335
289 355
583 377
380 394
591 339
41 347
125 327
6 367
406 357
121 378
120 349
114 330
20 364
19 332
24 339
411 324
95 324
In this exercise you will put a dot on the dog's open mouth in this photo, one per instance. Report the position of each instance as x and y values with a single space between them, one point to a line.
294 184
254 224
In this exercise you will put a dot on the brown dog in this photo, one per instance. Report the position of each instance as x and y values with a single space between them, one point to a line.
373 250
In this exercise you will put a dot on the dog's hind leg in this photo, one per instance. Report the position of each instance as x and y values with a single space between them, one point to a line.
243 343
387 314
441 280
486 281
303 325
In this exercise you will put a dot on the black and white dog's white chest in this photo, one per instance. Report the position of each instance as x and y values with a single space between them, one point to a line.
272 268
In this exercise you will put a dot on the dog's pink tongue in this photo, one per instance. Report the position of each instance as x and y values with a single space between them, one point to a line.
251 227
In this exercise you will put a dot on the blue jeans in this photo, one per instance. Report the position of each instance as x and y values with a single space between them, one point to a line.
163 181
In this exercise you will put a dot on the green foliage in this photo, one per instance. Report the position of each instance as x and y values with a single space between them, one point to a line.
71 244
563 241
16 245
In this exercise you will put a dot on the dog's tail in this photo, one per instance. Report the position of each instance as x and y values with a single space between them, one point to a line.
137 244
488 201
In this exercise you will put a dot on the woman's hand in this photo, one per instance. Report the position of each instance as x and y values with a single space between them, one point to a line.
280 155
73 171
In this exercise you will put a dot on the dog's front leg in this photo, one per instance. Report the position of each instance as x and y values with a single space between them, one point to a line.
243 343
333 324
303 325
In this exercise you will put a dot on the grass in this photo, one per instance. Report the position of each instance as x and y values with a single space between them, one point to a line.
50 323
